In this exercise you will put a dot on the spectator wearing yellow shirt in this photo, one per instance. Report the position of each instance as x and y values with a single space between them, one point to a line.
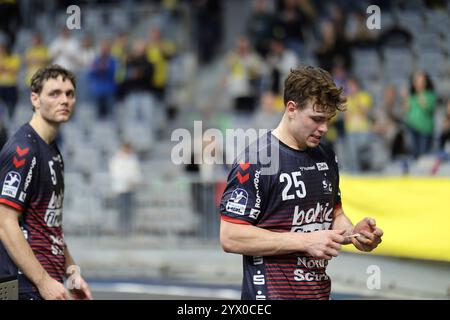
36 57
159 52
244 70
358 127
9 68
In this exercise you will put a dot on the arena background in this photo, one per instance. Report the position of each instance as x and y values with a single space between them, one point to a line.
172 251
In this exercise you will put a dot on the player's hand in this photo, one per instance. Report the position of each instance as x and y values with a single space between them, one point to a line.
82 291
369 235
50 289
324 244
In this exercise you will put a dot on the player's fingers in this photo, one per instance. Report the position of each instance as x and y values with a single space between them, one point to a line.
377 241
359 245
378 232
327 257
368 235
336 246
363 240
332 252
338 236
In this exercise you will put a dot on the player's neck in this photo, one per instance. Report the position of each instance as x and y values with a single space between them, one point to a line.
46 130
283 134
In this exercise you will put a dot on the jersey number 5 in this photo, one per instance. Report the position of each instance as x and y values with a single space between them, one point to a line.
300 189
53 173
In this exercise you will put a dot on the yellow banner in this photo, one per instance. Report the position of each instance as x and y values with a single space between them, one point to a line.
413 212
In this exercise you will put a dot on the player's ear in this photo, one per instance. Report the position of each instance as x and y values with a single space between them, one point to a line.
34 98
290 108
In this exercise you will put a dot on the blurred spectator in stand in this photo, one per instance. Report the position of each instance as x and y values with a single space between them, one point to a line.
338 17
159 53
260 26
332 49
208 28
86 52
85 58
119 51
359 35
336 128
388 123
9 69
3 131
395 37
102 80
36 57
137 85
244 69
444 137
280 61
358 127
125 172
9 20
64 50
420 105
269 113
204 178
290 25
436 4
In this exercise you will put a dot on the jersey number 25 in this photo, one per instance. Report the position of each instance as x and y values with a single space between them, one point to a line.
299 186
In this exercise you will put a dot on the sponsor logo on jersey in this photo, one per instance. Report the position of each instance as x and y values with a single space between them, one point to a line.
301 275
58 245
327 186
238 202
259 279
22 196
255 211
53 215
29 175
257 260
322 166
11 184
313 219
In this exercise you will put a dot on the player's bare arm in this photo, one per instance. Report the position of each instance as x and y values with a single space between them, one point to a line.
21 253
342 222
253 241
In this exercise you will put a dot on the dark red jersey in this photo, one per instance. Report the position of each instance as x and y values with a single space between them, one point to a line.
299 195
31 181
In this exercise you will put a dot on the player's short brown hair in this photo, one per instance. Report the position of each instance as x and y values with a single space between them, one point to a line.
315 84
52 71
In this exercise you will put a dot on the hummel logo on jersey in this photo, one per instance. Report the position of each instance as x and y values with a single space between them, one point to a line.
243 178
17 162
11 184
21 152
322 166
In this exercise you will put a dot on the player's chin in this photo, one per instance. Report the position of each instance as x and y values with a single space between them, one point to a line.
312 142
62 118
